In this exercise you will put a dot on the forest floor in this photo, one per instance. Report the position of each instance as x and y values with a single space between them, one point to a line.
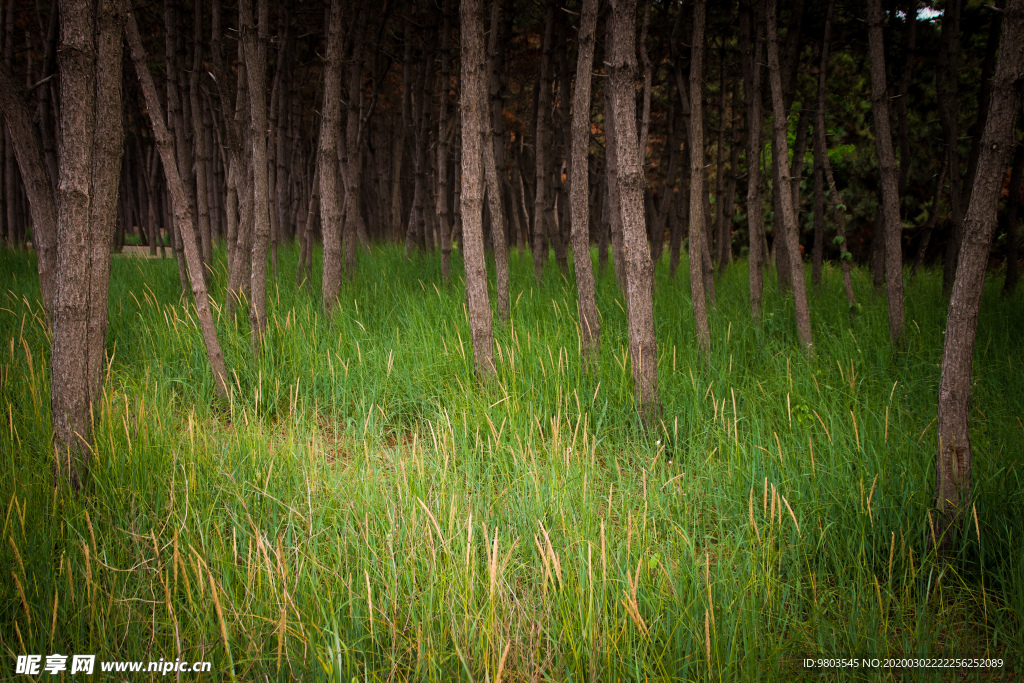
363 509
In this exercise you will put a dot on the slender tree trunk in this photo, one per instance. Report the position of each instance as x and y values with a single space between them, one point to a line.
28 148
442 149
639 270
890 175
199 140
474 113
543 212
698 227
788 227
491 142
255 46
352 157
953 457
327 164
590 323
753 47
182 208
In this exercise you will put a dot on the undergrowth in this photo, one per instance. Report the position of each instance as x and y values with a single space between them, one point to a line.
362 508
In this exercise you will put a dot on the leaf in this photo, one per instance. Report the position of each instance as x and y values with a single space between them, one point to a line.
838 239
847 255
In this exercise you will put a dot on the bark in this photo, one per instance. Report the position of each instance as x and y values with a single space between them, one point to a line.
255 46
984 95
612 183
352 158
1013 202
753 47
494 172
953 462
202 162
889 175
788 226
327 165
182 209
639 269
107 153
442 149
590 323
29 151
543 208
69 402
698 227
474 112
176 125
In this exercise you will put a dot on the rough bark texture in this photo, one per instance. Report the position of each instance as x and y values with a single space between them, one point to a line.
788 226
543 208
494 173
953 456
698 227
352 158
69 402
182 209
256 67
107 152
890 175
590 324
752 54
639 269
442 149
327 159
474 114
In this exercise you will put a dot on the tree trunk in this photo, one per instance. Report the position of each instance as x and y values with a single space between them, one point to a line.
474 113
28 149
698 178
182 208
202 162
491 143
352 157
788 226
953 457
929 225
590 323
639 270
327 164
255 46
543 210
442 149
889 175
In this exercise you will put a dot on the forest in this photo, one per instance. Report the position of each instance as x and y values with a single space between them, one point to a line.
277 399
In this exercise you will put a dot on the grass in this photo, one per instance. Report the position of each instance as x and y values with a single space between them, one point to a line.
363 509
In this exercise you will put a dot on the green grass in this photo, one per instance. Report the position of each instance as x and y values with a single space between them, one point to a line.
364 509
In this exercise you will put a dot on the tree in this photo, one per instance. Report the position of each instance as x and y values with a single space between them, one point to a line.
182 208
327 159
639 269
590 323
892 222
474 115
255 45
954 455
787 228
89 164
752 52
698 219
